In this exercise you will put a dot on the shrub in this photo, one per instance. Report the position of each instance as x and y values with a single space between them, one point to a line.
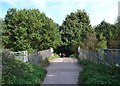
53 57
96 74
17 72
6 54
74 56
44 62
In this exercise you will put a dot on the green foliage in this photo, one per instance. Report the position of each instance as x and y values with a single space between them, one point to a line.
101 44
44 63
17 72
106 32
90 41
54 57
1 29
99 74
74 56
64 48
117 37
74 30
29 29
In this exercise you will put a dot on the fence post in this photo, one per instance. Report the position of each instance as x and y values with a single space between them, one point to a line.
79 51
51 49
25 56
100 55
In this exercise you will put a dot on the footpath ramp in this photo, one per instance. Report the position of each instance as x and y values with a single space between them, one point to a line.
62 71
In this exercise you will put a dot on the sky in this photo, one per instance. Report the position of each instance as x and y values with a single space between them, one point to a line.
97 10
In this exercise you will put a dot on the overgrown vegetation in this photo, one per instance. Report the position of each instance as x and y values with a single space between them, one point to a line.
74 56
29 29
105 33
97 74
74 31
45 62
53 57
16 72
1 29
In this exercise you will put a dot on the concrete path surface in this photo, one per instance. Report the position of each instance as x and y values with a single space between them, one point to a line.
62 71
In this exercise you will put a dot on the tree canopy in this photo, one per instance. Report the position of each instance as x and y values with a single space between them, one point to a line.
29 29
106 32
1 29
75 28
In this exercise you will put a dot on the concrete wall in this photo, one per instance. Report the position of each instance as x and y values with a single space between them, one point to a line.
37 57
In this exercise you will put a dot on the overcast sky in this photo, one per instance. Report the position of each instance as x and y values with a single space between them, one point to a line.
98 10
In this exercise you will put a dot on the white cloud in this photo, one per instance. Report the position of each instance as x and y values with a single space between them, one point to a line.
12 2
26 3
58 9
108 12
98 9
41 4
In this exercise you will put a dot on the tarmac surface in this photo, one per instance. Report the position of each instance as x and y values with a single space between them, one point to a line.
62 71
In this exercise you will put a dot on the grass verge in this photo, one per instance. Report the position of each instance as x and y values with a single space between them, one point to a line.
54 57
16 72
97 74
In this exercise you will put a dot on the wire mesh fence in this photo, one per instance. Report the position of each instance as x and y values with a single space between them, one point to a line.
88 54
34 58
37 57
21 55
111 56
106 56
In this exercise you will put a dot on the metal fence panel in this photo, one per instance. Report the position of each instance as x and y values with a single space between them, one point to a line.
21 55
37 57
111 56
107 56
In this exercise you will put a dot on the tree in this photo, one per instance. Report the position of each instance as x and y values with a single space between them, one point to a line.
117 37
118 26
74 29
1 29
106 32
29 29
90 41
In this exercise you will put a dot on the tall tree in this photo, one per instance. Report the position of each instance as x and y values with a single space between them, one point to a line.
29 29
106 32
75 28
117 24
1 29
90 41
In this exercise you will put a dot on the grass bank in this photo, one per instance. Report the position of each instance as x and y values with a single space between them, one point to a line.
19 73
97 74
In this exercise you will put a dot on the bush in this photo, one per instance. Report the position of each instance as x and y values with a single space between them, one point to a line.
6 55
74 56
53 57
99 74
101 44
44 63
17 72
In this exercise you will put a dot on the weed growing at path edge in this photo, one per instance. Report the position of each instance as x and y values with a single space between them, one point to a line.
17 72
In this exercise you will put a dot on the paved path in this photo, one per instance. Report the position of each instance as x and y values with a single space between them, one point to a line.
62 71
